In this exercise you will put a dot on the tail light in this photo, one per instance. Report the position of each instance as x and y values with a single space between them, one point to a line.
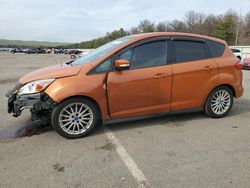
239 65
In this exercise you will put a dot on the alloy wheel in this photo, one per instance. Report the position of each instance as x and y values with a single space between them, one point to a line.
75 118
220 102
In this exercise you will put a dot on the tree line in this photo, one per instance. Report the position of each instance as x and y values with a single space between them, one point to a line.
232 27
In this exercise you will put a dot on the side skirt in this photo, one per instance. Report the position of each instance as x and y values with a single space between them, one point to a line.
112 121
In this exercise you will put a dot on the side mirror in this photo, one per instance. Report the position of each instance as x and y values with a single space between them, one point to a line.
122 64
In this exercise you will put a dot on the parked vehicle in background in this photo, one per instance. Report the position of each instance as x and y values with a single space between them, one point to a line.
133 76
5 49
246 64
58 51
72 52
48 51
35 51
237 53
17 50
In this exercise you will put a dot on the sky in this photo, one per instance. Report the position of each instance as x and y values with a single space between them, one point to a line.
81 20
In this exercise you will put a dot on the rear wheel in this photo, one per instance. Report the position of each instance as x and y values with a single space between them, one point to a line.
75 117
219 102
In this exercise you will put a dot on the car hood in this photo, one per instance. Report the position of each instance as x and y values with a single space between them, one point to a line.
56 71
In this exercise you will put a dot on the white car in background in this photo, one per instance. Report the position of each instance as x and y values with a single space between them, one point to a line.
237 53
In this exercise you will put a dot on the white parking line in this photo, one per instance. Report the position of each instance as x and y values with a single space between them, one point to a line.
127 159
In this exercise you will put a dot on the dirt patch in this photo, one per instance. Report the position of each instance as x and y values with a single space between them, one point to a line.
108 146
29 129
58 167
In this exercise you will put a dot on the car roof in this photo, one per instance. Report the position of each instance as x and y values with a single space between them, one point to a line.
158 34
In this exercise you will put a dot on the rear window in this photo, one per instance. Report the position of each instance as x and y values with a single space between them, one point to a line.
216 48
189 51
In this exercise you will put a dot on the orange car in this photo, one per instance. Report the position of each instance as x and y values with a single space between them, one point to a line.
133 76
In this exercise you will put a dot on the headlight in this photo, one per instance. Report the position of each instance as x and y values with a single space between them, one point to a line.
35 86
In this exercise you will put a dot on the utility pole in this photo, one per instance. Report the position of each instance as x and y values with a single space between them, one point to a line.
238 24
237 35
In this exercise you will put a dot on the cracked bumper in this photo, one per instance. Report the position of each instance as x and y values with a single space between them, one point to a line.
35 101
16 104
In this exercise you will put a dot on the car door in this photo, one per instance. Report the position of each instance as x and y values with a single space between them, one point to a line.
145 87
194 73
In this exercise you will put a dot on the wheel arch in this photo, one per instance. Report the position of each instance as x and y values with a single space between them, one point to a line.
86 97
225 85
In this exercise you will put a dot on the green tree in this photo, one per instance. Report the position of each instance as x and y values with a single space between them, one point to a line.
224 30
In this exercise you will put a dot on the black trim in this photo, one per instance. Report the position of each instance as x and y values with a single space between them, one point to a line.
135 44
209 53
142 42
171 53
170 50
190 39
134 118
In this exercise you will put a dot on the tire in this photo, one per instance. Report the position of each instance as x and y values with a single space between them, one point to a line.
70 124
217 106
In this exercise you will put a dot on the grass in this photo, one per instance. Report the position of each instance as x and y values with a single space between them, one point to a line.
22 43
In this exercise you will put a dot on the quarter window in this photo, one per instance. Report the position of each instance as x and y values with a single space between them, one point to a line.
189 51
216 48
104 66
147 55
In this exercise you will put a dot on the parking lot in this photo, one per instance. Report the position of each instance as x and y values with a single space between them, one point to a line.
185 150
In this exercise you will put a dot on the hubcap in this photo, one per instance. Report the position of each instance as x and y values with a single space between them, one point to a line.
220 102
75 118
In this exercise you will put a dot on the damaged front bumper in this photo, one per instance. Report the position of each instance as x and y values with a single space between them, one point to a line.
36 102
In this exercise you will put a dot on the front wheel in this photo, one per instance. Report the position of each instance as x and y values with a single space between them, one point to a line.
219 102
75 117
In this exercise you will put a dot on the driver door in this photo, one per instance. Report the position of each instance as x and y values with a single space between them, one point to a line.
144 88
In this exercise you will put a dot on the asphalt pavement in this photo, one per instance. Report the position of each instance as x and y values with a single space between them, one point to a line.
185 150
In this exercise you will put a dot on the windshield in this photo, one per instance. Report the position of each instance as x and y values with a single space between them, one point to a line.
102 51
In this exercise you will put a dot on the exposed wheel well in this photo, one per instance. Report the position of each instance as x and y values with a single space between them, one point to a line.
92 100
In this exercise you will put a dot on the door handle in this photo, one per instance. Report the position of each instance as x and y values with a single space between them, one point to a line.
160 75
207 68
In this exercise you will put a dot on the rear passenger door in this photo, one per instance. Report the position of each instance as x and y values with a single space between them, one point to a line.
194 71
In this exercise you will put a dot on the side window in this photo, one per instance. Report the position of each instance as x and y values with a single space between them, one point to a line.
147 55
103 67
127 55
216 48
189 51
